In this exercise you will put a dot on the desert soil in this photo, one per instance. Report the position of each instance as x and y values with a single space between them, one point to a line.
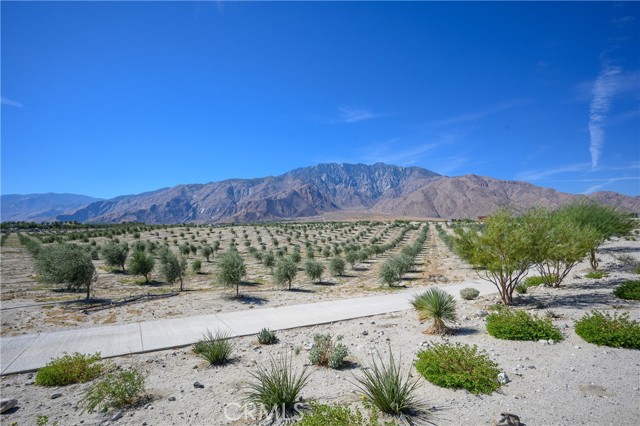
570 382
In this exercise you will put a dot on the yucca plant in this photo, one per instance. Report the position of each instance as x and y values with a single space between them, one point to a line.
438 306
267 337
384 386
216 348
277 386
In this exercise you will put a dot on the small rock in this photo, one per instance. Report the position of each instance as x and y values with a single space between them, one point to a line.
508 419
307 346
577 347
198 385
117 416
172 398
365 333
482 313
543 342
55 395
7 404
503 378
425 344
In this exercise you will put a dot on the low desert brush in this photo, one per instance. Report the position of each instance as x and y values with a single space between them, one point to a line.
629 290
326 353
518 325
267 337
458 367
603 329
469 293
69 369
118 389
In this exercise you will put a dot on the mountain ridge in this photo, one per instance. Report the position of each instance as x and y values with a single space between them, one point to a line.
341 189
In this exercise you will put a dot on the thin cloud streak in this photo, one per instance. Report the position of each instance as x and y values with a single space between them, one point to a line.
10 102
384 153
603 90
535 175
607 182
355 114
477 115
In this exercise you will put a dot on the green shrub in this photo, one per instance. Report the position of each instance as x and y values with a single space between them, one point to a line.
118 389
534 281
69 369
636 270
216 348
458 367
596 275
267 337
603 329
383 386
469 293
325 353
277 386
438 306
630 290
521 288
196 266
518 325
339 415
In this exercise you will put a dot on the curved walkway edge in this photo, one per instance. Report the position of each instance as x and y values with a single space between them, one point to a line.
31 351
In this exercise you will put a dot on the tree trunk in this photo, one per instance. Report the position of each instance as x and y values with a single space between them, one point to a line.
88 291
593 260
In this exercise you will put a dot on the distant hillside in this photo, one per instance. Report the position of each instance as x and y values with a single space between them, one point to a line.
347 190
40 207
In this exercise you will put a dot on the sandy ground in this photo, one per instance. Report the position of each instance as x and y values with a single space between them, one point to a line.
569 383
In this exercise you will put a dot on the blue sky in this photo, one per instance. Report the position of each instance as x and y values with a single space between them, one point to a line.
113 98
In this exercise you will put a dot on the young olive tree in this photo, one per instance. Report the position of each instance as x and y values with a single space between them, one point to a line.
115 254
314 270
171 268
65 263
231 269
285 272
501 251
337 266
141 263
606 221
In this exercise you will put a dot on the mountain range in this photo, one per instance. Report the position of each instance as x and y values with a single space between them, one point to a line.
345 191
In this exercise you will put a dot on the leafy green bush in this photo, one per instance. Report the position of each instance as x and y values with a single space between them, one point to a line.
521 288
267 337
518 325
534 281
339 415
196 266
630 290
216 348
383 386
438 306
277 386
596 275
69 369
469 293
325 353
603 329
458 367
119 389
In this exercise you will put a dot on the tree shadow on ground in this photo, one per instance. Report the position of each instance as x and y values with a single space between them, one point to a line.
325 283
359 269
299 290
249 284
619 250
246 299
464 331
154 283
583 300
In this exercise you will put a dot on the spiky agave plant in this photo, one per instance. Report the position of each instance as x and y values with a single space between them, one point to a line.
439 307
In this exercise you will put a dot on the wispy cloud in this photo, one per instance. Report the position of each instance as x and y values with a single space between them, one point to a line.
388 153
352 114
536 175
606 182
10 102
476 115
603 91
449 165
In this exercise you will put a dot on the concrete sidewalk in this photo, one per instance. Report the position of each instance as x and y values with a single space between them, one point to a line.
31 351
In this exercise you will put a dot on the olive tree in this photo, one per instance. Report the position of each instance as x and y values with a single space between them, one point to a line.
65 264
206 252
231 269
501 251
337 266
115 254
606 221
314 270
141 263
285 272
171 268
